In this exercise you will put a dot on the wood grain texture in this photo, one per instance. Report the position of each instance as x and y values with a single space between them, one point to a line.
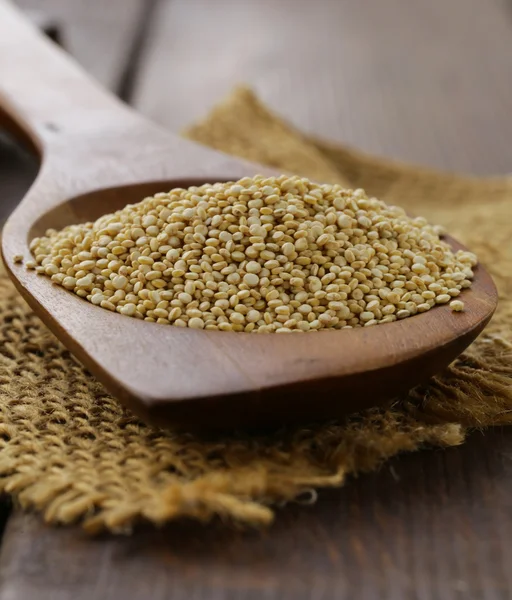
429 526
91 143
426 82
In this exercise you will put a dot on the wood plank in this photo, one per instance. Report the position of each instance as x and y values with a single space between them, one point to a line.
427 526
427 82
98 34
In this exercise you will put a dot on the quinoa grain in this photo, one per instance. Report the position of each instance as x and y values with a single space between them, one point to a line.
278 254
457 305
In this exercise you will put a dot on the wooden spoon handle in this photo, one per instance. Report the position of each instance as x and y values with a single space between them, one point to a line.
43 91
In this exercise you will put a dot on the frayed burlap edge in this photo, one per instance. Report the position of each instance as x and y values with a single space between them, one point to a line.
72 452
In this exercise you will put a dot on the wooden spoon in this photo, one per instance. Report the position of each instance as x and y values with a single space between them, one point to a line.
97 156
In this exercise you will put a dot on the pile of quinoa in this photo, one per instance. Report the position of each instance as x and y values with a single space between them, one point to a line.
277 254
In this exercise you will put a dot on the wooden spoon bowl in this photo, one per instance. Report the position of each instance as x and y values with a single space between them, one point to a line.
98 156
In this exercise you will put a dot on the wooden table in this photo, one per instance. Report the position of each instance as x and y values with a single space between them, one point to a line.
423 81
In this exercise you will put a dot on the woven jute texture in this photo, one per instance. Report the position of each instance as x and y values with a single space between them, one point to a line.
70 451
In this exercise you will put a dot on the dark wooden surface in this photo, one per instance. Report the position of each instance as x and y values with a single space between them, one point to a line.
424 81
432 525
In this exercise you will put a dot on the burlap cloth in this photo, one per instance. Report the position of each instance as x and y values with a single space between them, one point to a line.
69 450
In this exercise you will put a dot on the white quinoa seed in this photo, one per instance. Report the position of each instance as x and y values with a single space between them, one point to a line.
457 305
278 254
